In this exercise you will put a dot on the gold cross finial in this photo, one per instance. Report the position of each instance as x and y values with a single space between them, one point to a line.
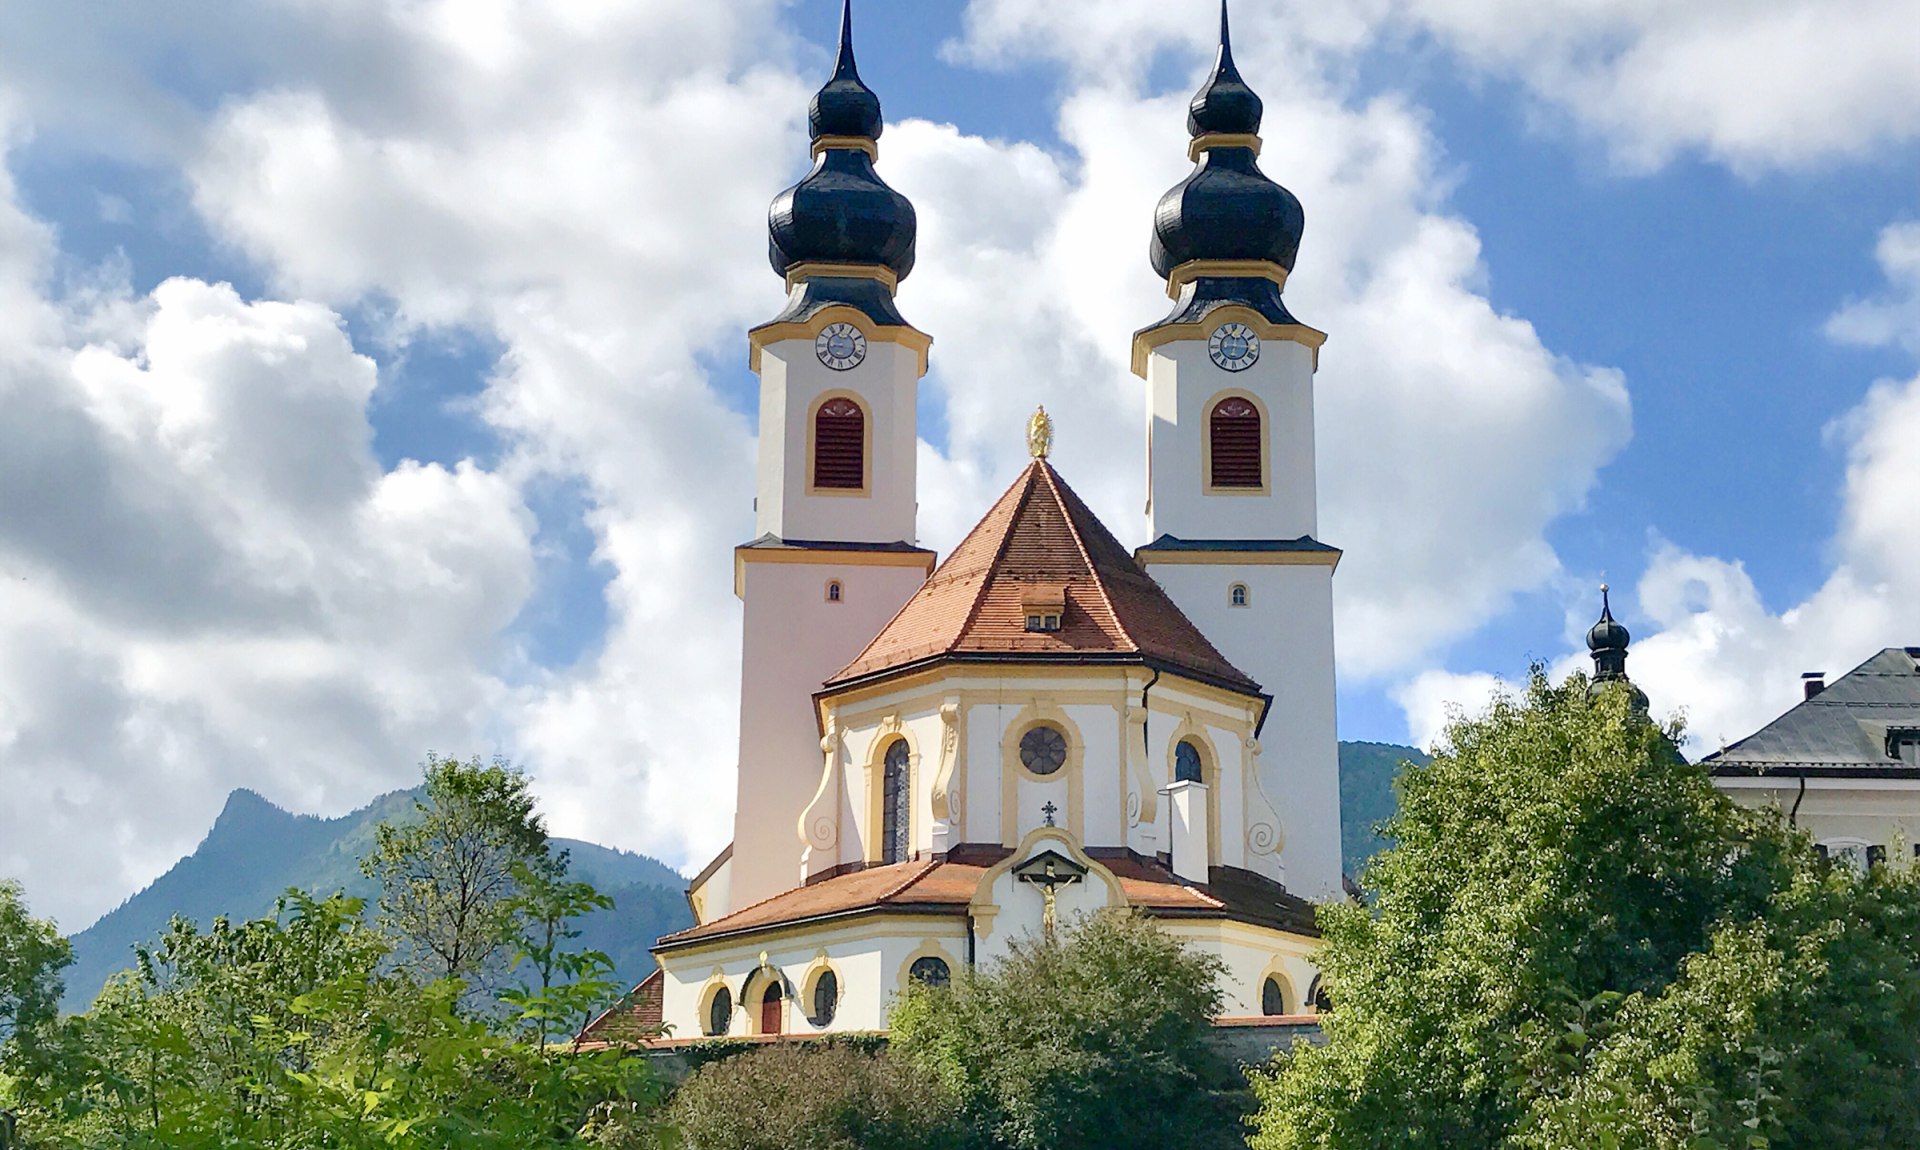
1040 433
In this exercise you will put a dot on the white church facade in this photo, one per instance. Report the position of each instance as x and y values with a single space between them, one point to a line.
937 758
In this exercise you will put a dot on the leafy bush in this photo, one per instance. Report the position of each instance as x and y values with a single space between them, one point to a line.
1099 1038
826 1097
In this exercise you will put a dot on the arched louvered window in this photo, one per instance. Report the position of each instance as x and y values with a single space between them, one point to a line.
895 797
840 445
1234 443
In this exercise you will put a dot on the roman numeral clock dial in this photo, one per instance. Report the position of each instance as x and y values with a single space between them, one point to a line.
1234 347
840 346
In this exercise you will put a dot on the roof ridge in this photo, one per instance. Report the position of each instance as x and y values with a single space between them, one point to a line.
1074 531
927 867
1000 552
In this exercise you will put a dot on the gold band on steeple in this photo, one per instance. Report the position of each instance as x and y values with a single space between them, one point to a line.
853 143
1214 140
816 270
1192 270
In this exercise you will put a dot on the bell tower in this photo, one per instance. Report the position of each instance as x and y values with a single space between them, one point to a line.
1232 504
836 554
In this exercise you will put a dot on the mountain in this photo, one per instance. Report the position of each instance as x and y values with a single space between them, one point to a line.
256 851
1367 771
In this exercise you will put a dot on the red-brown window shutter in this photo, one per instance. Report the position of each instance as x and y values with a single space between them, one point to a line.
1236 443
840 445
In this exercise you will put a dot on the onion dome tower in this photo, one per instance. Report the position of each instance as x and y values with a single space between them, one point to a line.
841 235
1227 234
1607 641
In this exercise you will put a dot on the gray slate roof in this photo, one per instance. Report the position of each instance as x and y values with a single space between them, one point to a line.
1842 731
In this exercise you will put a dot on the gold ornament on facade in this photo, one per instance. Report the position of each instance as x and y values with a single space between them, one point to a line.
1040 434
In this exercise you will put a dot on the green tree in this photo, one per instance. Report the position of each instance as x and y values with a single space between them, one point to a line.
32 955
1577 941
831 1097
564 987
1099 1037
450 879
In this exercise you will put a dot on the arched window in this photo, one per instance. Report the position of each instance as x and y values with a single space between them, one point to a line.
931 971
826 998
720 1012
1234 443
833 590
1322 1001
1186 762
770 1008
895 804
1237 595
1273 1000
840 445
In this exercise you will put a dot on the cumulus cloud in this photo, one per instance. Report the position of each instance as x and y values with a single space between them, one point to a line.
1433 699
1893 319
207 581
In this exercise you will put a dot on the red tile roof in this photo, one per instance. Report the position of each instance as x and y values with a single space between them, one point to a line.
1041 542
633 1021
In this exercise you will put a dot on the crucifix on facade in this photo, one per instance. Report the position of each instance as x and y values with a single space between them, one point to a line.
1049 871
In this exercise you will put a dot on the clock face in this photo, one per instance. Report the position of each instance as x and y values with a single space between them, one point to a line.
1234 347
840 346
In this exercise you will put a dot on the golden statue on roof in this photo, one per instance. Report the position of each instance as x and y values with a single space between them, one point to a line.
1040 433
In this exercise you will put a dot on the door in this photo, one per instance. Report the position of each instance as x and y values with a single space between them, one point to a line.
770 1010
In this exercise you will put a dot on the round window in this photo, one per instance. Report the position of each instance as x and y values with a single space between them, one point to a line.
931 971
1043 750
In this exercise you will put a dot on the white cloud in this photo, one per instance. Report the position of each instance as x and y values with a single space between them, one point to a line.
1433 699
207 581
1893 319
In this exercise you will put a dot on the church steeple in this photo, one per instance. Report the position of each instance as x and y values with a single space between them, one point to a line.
1225 105
1607 641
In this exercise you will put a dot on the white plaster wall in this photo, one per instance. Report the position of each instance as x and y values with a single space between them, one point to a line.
869 958
1182 384
1250 954
887 381
1284 639
793 640
1878 812
864 737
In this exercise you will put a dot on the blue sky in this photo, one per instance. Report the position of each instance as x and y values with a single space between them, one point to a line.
1611 293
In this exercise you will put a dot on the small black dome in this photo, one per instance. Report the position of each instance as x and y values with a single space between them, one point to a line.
1607 634
842 213
845 106
1224 103
1226 210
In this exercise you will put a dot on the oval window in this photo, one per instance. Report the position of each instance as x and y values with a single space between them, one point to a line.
826 998
720 1012
1043 750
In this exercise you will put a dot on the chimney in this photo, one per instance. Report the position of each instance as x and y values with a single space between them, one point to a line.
1813 682
1187 842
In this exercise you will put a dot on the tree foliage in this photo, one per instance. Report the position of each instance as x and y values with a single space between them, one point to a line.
1097 1038
1578 942
32 955
827 1097
451 878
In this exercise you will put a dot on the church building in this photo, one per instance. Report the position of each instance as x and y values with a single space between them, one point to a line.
937 758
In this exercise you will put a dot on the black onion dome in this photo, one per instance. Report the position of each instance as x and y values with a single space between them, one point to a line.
1227 209
843 212
845 106
1607 634
1224 103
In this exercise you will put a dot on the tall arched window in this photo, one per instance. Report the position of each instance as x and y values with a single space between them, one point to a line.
1234 443
720 1012
895 797
1273 1000
840 445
